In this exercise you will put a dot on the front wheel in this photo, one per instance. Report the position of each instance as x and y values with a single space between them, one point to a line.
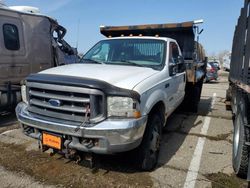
148 151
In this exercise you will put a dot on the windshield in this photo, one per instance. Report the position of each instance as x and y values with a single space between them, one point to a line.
132 52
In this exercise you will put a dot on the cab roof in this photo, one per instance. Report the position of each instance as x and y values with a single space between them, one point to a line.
183 33
142 37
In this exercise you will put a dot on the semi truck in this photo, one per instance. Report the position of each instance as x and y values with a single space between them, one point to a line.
120 95
238 94
29 42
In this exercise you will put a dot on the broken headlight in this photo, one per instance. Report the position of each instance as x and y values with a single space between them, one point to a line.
123 107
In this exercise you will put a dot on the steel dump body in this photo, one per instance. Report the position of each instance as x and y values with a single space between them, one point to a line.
183 33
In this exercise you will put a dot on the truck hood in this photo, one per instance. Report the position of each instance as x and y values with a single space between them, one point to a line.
126 77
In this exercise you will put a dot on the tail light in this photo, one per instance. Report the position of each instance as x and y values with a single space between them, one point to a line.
212 69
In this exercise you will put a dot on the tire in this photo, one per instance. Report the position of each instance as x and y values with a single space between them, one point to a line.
240 149
229 94
195 98
148 152
192 97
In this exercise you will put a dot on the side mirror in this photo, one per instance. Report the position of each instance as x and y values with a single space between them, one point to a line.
172 69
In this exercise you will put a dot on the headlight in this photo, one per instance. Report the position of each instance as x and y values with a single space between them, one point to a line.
123 107
24 94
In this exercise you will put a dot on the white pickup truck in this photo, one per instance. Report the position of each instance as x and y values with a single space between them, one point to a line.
116 99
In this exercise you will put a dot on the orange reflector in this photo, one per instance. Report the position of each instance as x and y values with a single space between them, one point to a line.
137 114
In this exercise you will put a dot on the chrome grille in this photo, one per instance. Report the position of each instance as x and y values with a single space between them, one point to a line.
72 103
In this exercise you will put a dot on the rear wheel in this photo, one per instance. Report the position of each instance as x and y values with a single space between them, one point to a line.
148 151
192 97
240 137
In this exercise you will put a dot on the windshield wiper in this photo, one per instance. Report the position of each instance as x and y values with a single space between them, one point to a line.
92 61
132 63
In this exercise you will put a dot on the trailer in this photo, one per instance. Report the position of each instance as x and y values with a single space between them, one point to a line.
238 94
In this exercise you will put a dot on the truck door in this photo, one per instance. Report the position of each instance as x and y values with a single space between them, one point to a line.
13 66
178 75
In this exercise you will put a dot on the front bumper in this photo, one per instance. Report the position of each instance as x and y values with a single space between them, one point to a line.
110 136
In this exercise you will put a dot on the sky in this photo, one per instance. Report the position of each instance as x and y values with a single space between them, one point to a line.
82 18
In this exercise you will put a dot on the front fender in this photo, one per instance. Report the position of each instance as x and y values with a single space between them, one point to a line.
149 99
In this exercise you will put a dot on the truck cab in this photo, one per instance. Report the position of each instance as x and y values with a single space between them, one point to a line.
29 42
160 58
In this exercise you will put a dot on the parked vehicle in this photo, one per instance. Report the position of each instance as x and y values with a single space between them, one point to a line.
239 94
215 64
212 72
226 62
119 96
29 43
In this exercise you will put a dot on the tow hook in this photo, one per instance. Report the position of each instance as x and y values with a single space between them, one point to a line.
88 143
44 148
51 154
41 146
70 154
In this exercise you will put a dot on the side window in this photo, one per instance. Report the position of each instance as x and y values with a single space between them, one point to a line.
173 52
11 37
101 53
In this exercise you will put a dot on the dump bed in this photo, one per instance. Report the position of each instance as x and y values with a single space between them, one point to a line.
183 33
240 66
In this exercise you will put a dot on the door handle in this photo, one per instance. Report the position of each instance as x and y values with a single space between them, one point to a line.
167 85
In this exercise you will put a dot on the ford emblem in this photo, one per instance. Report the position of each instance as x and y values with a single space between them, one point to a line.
55 102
